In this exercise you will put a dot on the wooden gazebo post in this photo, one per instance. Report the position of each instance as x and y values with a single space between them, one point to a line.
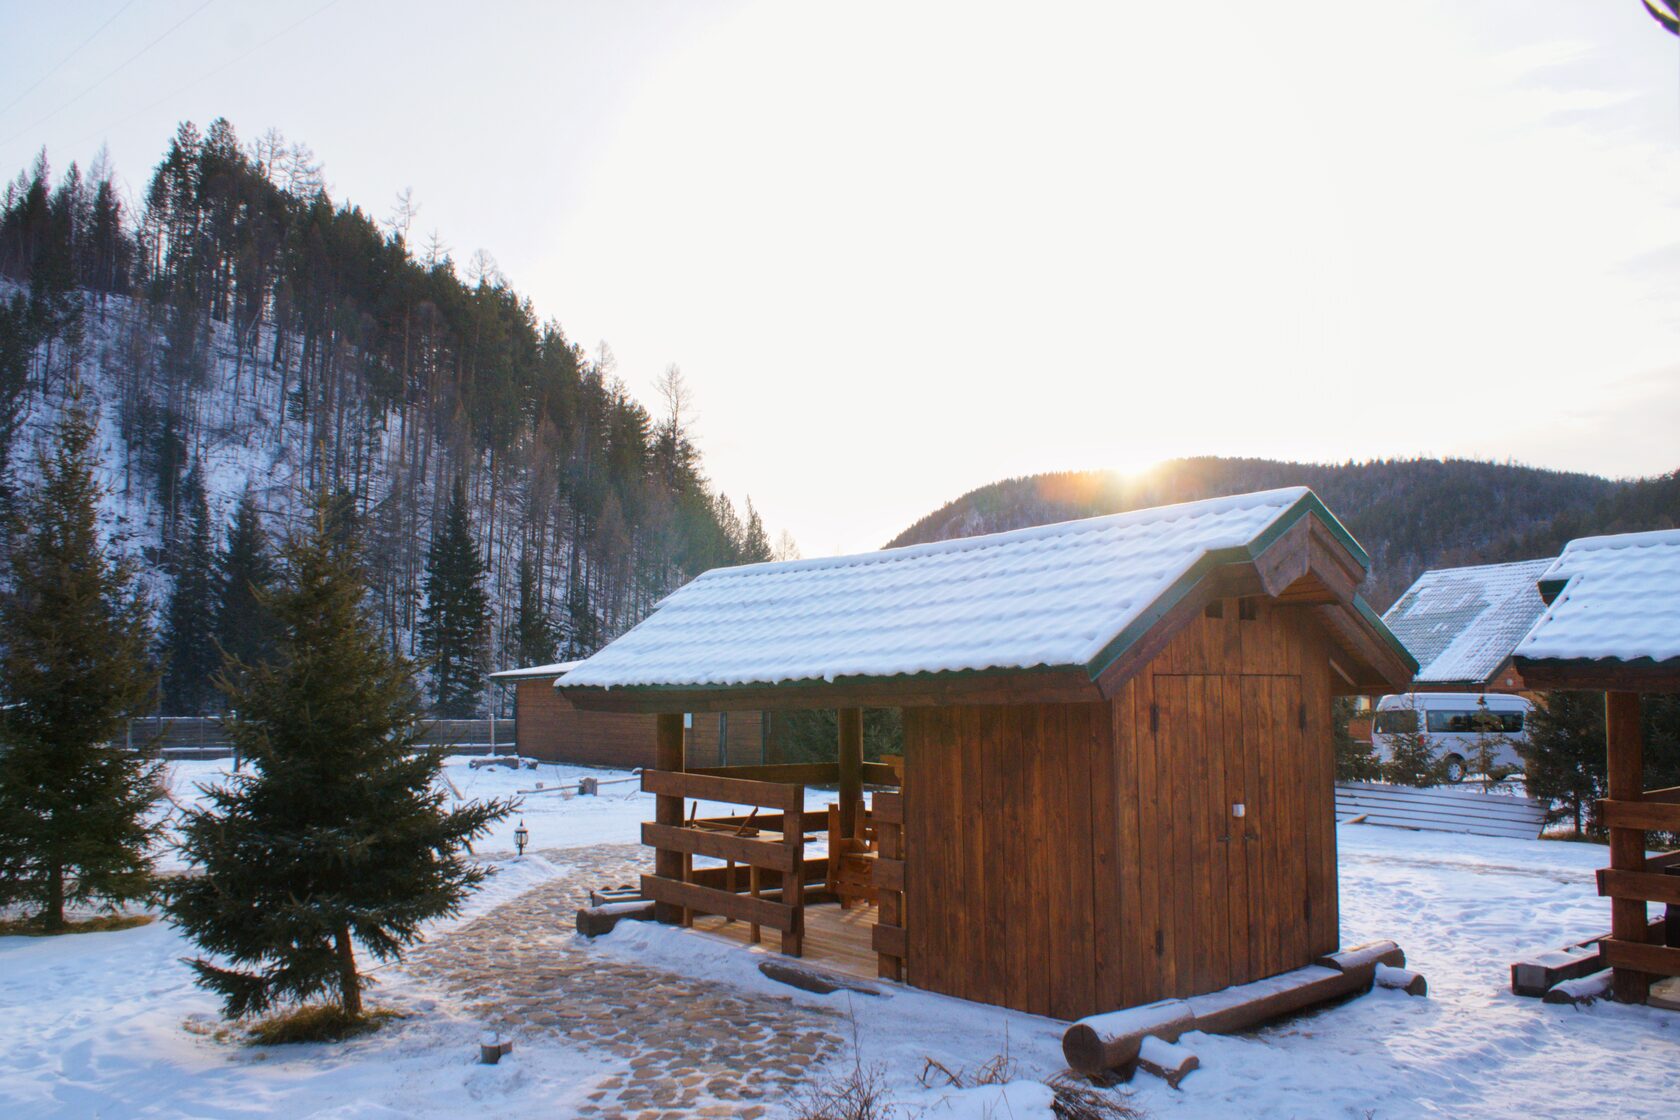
1625 766
851 769
667 810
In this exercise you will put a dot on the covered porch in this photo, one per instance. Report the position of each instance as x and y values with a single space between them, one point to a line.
749 877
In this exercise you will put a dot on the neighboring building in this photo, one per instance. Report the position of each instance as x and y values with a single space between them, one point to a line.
1117 779
1462 624
548 727
1612 623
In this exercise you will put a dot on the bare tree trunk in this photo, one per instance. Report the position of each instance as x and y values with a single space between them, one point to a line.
349 982
53 917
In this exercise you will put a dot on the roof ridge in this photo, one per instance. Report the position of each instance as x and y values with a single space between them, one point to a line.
982 541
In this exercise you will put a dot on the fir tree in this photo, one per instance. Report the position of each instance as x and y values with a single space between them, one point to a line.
244 575
190 656
1564 762
1411 759
455 621
339 835
72 807
1356 761
534 637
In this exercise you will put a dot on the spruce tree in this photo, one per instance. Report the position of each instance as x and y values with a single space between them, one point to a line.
190 656
456 618
73 807
534 637
1564 761
244 575
339 835
1356 761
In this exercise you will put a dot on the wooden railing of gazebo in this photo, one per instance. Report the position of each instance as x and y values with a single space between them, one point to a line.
767 843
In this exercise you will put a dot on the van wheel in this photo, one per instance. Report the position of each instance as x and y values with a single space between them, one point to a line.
1455 769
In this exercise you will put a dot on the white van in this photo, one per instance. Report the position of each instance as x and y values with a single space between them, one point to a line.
1455 725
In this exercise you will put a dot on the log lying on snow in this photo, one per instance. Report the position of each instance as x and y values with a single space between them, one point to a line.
1113 1041
1401 980
1539 974
814 980
593 921
1579 991
1169 1061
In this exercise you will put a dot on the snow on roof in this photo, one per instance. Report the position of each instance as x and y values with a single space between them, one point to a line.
554 670
1620 599
1462 623
1051 595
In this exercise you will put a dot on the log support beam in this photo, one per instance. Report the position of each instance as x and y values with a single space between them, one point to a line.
668 810
851 769
1626 773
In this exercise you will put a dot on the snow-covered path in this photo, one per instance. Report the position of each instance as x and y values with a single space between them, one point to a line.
95 1025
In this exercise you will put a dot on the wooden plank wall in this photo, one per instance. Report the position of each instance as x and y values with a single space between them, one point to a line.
551 729
1070 859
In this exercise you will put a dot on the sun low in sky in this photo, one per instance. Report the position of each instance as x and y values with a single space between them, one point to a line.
901 250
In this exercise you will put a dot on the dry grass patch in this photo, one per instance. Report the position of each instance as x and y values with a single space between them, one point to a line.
316 1022
32 927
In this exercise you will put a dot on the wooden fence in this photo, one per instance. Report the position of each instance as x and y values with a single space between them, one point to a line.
1438 809
1633 877
206 737
772 848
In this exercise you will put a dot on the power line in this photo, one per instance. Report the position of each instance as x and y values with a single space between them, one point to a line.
73 53
234 61
110 74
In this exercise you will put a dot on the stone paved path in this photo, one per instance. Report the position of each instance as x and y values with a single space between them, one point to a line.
685 1047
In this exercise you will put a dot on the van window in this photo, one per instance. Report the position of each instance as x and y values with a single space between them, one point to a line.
1396 721
1468 722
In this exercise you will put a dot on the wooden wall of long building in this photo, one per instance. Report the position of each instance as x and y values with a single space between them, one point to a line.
550 728
1070 859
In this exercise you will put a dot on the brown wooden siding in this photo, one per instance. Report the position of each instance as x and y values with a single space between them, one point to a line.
1066 859
746 733
550 728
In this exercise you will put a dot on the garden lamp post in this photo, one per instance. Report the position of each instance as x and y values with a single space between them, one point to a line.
521 837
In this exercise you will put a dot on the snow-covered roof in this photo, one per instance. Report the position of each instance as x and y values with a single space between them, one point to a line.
1070 594
1613 597
1462 623
557 669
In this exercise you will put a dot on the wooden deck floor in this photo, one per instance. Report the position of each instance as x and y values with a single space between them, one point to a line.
834 938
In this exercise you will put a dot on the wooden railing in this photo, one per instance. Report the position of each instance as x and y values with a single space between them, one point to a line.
1640 879
736 840
888 939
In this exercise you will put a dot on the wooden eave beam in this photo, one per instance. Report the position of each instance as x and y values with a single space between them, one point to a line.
1068 685
1600 675
1377 666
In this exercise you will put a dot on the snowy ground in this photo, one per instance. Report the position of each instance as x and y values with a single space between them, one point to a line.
110 1024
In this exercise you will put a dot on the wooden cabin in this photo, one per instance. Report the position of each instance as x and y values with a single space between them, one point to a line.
549 727
1117 774
1612 624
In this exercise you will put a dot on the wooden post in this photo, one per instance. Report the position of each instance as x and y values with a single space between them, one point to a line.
793 882
851 770
668 755
1626 772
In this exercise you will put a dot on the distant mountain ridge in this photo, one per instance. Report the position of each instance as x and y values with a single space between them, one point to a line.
1410 514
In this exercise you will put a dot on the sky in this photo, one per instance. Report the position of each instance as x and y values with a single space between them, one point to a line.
901 250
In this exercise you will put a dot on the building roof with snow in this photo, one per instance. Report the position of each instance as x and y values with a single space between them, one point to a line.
1462 623
1071 596
535 672
1612 617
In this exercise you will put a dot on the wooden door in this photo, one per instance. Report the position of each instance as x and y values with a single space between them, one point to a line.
1223 741
1278 780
